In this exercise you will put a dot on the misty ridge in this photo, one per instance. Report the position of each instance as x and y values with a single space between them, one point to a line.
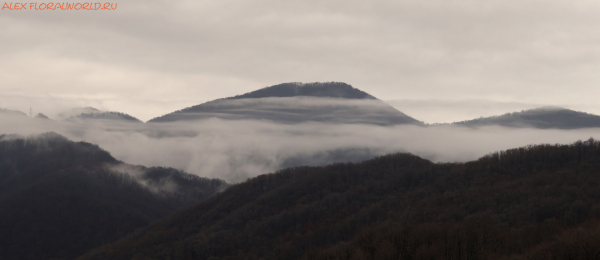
60 153
294 124
60 198
535 202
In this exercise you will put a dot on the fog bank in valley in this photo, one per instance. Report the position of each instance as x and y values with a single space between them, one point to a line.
234 150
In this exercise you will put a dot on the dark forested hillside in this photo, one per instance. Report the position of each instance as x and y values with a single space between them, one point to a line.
331 102
534 202
58 198
544 118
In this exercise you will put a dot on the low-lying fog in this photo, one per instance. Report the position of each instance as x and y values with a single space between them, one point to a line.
234 150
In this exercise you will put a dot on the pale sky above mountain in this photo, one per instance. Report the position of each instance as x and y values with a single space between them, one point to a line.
149 58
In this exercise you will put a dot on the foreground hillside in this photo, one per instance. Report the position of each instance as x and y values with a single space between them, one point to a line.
59 198
535 202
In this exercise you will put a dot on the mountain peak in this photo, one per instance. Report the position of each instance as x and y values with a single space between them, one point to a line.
329 102
316 89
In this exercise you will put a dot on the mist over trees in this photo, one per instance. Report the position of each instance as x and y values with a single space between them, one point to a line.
296 124
61 198
533 202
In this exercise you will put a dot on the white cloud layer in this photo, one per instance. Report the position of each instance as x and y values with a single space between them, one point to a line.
236 150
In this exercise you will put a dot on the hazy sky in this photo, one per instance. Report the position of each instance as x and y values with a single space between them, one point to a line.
148 58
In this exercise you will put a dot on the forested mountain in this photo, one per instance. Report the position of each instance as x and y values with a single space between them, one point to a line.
331 102
534 202
544 117
90 114
59 198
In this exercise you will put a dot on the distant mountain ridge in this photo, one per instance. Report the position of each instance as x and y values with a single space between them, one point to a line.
543 118
331 102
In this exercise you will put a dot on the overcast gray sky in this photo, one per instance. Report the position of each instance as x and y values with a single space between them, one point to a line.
151 57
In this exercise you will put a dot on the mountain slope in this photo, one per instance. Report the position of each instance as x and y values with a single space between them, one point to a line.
544 118
295 103
61 198
507 204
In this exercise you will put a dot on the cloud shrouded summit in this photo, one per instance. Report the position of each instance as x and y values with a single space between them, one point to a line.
331 102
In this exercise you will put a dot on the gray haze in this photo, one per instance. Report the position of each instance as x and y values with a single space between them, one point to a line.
234 150
149 58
